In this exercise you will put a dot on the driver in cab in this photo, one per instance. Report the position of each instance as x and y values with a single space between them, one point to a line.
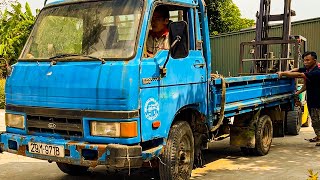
158 37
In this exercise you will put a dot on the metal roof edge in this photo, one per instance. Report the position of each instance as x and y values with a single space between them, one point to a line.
248 30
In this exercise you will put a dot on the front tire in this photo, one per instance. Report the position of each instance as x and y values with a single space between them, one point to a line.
178 154
73 170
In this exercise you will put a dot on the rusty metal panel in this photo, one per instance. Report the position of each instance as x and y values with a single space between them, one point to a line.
225 48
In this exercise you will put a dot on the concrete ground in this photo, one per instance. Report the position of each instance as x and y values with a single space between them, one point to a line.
289 158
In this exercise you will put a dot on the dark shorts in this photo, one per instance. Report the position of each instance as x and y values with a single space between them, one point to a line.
315 119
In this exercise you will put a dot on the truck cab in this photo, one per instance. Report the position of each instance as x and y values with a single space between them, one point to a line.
83 92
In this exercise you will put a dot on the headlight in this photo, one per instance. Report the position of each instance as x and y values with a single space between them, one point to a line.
115 129
105 129
15 120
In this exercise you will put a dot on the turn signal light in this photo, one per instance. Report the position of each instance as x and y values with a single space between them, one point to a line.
128 129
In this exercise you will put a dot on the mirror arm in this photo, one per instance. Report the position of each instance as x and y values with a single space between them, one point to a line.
163 69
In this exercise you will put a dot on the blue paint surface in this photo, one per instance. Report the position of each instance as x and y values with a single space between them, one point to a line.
136 84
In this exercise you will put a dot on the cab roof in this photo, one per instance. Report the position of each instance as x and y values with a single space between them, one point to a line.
186 2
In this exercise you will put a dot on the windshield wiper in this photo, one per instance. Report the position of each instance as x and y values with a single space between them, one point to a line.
63 55
54 62
93 57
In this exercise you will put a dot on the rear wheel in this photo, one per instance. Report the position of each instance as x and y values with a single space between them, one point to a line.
177 158
263 136
294 120
264 132
73 170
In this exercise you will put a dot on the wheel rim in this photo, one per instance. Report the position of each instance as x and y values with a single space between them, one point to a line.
184 156
266 140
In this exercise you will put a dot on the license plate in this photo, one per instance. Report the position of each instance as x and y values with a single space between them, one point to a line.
46 149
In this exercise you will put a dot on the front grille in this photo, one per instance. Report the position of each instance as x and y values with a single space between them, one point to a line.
66 127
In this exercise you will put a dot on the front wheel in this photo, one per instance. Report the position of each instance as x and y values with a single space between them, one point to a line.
73 170
177 158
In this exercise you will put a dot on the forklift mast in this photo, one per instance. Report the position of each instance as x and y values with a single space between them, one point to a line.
264 60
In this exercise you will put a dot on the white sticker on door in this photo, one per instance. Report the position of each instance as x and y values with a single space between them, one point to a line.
151 109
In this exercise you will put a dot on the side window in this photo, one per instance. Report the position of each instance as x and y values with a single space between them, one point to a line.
158 34
176 15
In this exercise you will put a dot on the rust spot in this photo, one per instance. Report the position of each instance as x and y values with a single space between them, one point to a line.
126 62
80 146
75 143
22 150
101 151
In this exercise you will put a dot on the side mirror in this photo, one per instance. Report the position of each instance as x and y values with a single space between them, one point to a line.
179 39
179 43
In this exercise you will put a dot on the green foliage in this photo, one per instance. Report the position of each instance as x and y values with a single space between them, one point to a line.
15 27
2 95
225 16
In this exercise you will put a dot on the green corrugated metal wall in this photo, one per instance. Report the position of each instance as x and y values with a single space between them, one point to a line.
225 48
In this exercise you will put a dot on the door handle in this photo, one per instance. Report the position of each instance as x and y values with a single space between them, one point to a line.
199 65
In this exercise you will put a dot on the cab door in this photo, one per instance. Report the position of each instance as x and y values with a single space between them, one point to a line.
184 83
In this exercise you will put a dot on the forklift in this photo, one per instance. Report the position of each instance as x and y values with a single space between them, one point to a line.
264 61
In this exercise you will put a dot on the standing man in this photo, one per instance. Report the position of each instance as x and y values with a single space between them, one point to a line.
311 75
158 37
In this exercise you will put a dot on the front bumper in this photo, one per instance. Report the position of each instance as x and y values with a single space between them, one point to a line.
114 156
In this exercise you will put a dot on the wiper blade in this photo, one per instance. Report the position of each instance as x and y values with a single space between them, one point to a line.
93 57
71 55
63 55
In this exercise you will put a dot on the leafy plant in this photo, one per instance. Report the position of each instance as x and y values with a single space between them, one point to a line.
15 27
2 95
312 176
225 16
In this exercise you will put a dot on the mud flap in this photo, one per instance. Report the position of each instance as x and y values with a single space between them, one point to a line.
242 137
278 129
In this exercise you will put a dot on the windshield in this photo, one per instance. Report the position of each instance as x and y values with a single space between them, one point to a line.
104 29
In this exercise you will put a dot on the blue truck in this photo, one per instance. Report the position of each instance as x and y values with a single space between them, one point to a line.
83 94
